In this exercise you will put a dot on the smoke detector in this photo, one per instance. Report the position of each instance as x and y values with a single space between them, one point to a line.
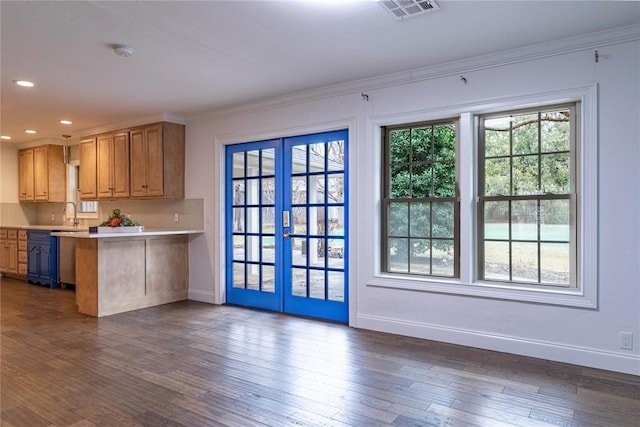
122 50
402 9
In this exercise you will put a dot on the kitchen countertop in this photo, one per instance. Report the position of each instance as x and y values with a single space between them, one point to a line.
86 235
48 227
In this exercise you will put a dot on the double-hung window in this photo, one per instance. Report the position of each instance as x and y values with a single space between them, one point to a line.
420 212
527 197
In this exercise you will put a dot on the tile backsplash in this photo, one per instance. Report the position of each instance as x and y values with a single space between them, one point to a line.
152 214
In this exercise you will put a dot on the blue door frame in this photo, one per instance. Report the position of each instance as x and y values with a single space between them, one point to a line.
286 225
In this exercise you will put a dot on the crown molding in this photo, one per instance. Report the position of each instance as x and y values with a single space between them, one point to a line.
542 50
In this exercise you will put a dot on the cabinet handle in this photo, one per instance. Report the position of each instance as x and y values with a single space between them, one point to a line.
145 186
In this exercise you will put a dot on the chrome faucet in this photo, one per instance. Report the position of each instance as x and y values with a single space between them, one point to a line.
75 213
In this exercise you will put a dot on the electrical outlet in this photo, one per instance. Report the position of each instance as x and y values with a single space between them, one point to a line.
176 217
53 217
626 340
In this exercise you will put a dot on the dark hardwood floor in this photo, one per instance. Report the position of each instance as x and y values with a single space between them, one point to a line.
194 364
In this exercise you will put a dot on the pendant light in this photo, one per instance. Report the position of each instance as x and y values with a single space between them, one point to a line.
66 150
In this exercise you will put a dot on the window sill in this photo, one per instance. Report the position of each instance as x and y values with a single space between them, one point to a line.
551 296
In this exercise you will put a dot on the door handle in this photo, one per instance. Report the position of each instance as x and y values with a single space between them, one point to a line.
286 235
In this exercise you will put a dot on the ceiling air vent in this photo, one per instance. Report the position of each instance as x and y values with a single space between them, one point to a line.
402 9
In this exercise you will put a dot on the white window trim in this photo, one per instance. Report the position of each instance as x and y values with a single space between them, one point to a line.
68 209
587 232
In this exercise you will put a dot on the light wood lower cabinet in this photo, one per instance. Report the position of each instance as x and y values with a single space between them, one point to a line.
22 252
119 274
9 251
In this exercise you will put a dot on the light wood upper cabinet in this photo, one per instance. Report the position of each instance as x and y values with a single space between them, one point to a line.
87 181
158 161
25 175
113 165
41 174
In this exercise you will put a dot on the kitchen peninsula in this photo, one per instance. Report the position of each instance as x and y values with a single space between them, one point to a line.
118 272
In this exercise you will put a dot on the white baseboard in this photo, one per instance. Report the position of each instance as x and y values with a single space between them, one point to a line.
583 356
201 296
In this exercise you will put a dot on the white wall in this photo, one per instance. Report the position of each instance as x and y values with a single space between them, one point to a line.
9 173
576 335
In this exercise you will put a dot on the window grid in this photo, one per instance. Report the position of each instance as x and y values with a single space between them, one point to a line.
541 196
440 194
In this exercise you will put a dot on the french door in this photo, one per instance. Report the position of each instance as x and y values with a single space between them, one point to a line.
286 225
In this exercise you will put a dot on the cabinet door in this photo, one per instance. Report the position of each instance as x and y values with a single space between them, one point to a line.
12 266
25 175
88 164
33 259
120 169
155 161
41 173
138 164
105 186
4 256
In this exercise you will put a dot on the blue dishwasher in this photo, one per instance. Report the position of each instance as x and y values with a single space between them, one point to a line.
42 258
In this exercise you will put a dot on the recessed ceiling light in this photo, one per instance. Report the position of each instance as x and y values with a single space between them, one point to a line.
29 131
24 83
5 137
65 122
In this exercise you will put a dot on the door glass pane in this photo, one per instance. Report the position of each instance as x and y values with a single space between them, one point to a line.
253 163
299 159
268 221
238 165
335 191
316 220
253 220
316 284
336 285
253 248
335 251
268 191
299 220
317 189
335 220
238 220
268 278
252 192
253 276
298 190
335 155
238 248
316 252
316 157
299 282
238 279
238 193
299 251
268 164
268 246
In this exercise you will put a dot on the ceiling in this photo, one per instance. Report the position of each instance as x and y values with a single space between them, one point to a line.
192 57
